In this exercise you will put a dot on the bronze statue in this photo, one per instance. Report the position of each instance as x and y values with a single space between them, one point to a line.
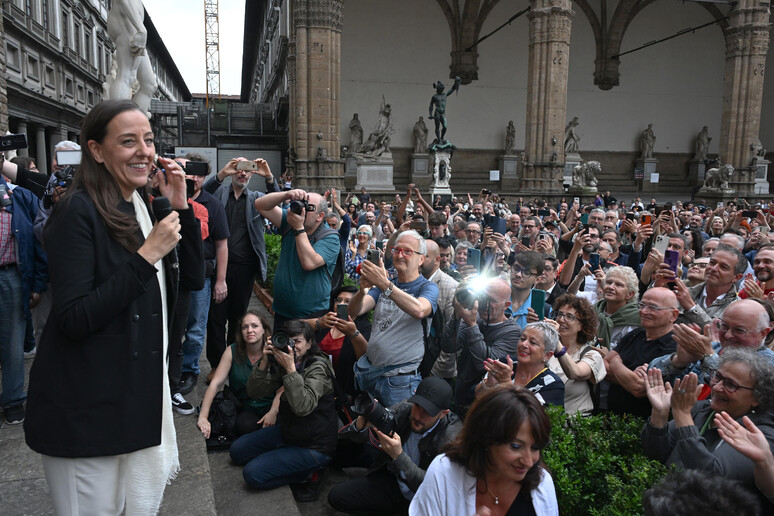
439 103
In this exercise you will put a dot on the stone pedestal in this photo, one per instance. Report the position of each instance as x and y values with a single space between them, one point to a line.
761 183
441 173
509 170
649 166
420 171
696 171
571 161
375 175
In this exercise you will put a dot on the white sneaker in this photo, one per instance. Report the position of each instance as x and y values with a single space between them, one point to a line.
180 405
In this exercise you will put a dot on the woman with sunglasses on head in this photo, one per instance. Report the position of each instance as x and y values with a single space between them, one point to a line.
357 249
303 442
743 385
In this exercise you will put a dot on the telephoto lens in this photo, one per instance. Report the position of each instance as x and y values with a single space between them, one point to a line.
382 418
466 297
281 341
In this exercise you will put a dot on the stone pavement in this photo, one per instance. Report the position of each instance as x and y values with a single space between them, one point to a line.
208 483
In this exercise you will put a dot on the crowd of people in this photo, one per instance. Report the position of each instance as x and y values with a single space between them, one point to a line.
432 365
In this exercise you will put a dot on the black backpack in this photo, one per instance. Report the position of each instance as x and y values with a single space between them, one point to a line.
222 417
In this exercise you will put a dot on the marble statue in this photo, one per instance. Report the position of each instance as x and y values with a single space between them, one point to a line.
510 138
125 27
571 138
442 176
717 179
439 103
757 152
378 141
702 144
420 137
647 140
584 176
355 134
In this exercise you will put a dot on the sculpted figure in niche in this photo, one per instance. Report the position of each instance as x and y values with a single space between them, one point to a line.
125 27
510 138
379 140
355 134
702 144
571 138
647 140
420 137
439 103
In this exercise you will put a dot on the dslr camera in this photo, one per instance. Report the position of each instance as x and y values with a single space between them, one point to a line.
381 417
281 341
299 206
467 297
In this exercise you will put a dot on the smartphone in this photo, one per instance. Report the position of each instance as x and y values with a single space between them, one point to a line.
247 165
525 241
380 245
539 302
661 242
630 216
544 213
584 218
750 214
576 200
646 219
672 258
13 142
474 258
488 259
341 311
719 204
68 157
420 226
497 224
372 255
190 188
593 261
196 168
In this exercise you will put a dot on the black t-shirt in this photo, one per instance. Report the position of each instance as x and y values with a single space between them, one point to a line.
218 225
240 249
635 351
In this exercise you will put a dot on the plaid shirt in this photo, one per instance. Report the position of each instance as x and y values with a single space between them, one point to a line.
7 244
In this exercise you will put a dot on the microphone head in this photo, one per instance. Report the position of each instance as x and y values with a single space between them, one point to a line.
161 207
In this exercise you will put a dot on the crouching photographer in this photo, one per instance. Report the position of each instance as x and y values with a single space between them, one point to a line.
298 448
410 435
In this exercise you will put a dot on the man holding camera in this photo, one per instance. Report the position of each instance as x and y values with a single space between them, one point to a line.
310 248
246 248
390 368
422 425
479 329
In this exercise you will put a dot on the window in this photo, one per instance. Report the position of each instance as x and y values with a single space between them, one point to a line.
33 67
65 29
87 45
44 12
49 76
77 38
100 59
90 97
28 8
69 86
12 58
81 96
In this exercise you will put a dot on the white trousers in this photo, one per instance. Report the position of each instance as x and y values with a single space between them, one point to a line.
87 486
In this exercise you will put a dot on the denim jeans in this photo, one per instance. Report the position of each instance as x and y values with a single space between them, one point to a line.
196 327
12 330
269 462
390 390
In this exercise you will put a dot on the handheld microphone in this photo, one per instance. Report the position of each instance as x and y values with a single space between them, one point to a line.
161 208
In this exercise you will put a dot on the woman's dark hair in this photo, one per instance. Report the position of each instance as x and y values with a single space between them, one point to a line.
337 293
299 327
495 418
95 179
240 354
586 315
24 162
352 208
697 241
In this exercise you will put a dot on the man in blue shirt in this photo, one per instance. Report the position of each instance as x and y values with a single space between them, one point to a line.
526 268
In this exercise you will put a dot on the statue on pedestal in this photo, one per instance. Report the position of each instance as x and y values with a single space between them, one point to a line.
133 66
571 138
439 103
647 140
510 138
378 141
716 179
702 144
355 134
420 137
584 176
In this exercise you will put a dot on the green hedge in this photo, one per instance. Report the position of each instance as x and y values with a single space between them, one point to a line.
598 464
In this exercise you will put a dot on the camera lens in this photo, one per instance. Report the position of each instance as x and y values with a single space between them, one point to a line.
466 298
297 207
281 341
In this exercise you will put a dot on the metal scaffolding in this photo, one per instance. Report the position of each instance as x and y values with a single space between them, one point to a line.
211 35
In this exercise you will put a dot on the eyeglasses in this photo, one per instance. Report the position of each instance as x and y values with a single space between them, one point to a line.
525 273
702 265
408 253
728 384
528 226
653 308
566 317
473 231
736 331
363 233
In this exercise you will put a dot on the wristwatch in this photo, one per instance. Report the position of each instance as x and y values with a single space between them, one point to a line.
357 332
388 291
297 232
694 309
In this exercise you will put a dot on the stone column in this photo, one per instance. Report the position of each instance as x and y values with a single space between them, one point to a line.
21 127
41 159
314 70
747 42
550 24
3 83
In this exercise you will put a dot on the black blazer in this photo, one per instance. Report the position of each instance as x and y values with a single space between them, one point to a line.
96 383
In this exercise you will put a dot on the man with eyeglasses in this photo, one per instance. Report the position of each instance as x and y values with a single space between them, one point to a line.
530 228
547 282
473 233
390 368
658 313
527 267
695 274
477 333
745 323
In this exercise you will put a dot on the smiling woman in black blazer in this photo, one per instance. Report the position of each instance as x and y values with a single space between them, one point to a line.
99 404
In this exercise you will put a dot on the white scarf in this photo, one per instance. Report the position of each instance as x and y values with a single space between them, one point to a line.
151 469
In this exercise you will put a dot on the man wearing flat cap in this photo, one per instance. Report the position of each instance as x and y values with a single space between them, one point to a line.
424 423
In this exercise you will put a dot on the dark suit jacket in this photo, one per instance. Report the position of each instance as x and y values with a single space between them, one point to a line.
96 383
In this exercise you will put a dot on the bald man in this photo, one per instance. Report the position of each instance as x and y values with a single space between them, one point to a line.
745 323
658 313
477 333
